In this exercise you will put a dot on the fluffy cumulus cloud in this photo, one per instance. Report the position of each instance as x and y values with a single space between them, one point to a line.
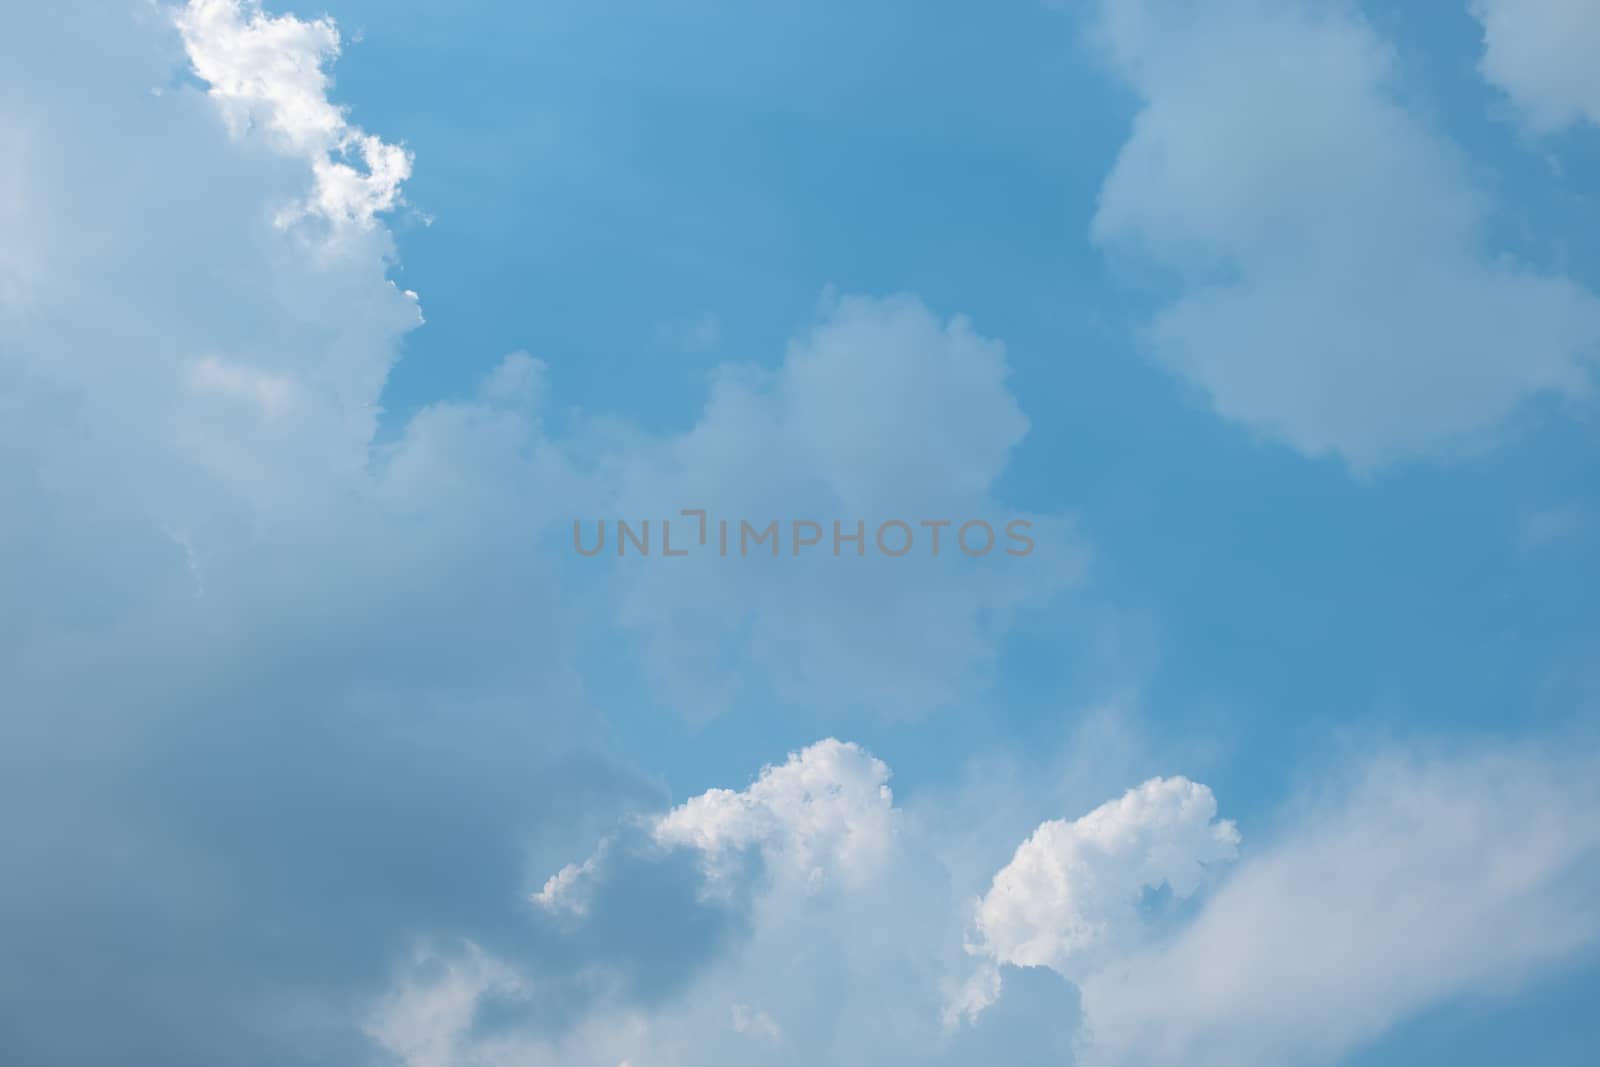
827 812
1070 898
1541 53
826 815
882 433
1337 291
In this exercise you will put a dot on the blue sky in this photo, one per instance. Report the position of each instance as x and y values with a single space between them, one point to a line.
321 324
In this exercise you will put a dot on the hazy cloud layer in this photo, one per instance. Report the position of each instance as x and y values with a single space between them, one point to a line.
882 412
1336 288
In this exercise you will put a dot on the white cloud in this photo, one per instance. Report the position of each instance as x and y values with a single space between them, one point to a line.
827 812
1542 54
563 892
1338 292
1422 881
826 815
268 73
1070 893
1070 897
